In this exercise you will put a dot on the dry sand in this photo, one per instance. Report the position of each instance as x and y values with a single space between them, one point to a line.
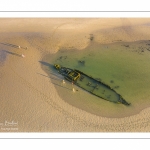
30 100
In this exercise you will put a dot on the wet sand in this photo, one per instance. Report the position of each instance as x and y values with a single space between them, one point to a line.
27 94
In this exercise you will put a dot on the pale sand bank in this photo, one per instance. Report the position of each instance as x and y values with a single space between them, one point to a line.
30 99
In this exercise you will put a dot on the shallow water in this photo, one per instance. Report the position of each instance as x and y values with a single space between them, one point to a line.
98 89
122 66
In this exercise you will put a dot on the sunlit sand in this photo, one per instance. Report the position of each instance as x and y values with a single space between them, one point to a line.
31 97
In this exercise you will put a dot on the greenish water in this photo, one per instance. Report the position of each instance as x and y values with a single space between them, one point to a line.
122 66
98 89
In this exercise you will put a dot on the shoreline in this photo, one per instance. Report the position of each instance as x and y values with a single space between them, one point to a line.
47 59
27 95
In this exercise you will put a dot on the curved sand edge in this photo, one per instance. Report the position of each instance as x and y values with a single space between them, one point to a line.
30 98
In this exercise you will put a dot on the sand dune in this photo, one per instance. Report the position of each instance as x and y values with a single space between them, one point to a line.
27 96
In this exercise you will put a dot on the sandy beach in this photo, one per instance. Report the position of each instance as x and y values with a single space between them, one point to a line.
29 101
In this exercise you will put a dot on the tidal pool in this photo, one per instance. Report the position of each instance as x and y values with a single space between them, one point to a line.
124 66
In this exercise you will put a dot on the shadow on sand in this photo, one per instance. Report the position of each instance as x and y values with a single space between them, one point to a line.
52 67
12 45
62 86
3 56
12 53
53 82
49 77
46 64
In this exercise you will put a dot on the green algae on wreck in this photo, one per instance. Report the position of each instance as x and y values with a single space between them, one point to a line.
88 83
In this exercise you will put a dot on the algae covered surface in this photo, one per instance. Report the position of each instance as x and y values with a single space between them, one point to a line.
124 66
